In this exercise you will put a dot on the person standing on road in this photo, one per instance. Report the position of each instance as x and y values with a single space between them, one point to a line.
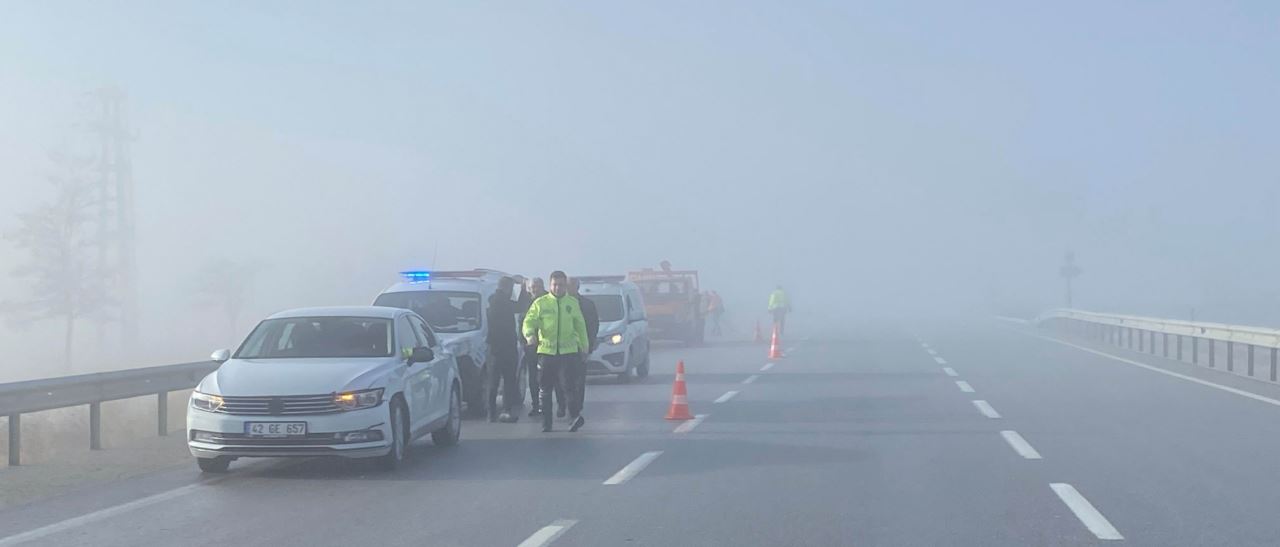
715 310
502 338
592 319
779 306
532 291
555 325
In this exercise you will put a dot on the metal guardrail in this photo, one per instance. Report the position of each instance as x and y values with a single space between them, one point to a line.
1140 333
20 398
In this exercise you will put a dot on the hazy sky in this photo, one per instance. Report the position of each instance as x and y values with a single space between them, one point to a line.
873 157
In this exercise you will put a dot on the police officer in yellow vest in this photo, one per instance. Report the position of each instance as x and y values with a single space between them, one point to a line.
555 324
779 306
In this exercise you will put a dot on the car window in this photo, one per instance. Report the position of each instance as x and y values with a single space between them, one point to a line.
423 332
318 337
405 339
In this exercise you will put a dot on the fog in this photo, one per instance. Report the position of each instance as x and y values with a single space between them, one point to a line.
884 163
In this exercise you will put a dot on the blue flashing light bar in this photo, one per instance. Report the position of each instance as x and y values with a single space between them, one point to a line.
416 276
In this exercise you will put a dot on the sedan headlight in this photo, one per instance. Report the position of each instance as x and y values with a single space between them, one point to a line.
206 402
356 400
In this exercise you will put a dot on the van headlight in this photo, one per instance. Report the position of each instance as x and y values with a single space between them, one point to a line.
616 339
206 402
356 400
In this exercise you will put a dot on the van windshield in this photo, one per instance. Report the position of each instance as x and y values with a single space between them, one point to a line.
608 306
445 311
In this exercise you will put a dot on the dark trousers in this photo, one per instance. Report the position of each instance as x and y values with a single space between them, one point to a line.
780 320
502 368
575 375
531 359
556 376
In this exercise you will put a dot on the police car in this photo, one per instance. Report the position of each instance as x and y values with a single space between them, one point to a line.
355 382
623 340
455 304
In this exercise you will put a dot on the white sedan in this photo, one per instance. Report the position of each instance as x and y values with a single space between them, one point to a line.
354 382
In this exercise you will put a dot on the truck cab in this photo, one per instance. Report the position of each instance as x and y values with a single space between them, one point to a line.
673 303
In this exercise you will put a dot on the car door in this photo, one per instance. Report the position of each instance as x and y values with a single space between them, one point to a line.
437 371
417 379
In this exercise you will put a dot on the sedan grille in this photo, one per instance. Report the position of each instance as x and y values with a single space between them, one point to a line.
279 406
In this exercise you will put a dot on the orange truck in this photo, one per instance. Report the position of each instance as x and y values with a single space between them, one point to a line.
672 303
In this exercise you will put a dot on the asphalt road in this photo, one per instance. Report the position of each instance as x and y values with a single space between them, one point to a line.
981 434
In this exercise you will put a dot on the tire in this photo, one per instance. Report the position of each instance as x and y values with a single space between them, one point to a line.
475 387
218 464
452 430
642 368
399 438
522 380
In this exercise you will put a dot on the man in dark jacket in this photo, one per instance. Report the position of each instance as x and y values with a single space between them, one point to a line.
503 337
592 318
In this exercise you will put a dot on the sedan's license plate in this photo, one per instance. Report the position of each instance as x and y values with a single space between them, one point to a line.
275 429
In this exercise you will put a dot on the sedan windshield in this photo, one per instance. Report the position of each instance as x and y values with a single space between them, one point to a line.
318 337
608 306
445 311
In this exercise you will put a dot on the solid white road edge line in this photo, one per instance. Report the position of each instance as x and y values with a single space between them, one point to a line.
985 408
964 386
940 360
1180 376
1020 445
548 534
122 508
751 379
950 371
98 515
689 425
637 465
728 395
766 366
1092 519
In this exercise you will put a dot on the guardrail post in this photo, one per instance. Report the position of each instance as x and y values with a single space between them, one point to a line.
1250 360
1274 351
1164 344
15 435
1231 356
1142 341
95 426
1195 350
1213 353
162 413
1179 341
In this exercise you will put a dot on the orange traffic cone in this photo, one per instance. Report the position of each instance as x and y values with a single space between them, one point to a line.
679 397
775 351
759 337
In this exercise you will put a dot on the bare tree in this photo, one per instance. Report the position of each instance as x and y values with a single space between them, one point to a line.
226 284
65 281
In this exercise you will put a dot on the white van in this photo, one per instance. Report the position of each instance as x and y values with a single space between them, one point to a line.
624 330
456 305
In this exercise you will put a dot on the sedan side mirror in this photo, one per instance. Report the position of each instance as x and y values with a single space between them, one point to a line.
220 356
421 355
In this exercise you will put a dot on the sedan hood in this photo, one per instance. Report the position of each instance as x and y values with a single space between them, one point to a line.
270 377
